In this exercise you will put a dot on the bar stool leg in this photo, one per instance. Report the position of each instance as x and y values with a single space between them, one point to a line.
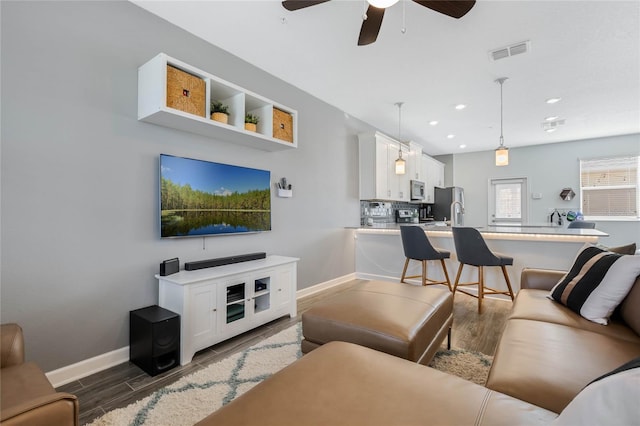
506 278
424 272
480 287
404 271
455 285
446 274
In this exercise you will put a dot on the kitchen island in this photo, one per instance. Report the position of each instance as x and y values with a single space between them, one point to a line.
379 253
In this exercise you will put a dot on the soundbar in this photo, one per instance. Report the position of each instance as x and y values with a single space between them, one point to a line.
210 263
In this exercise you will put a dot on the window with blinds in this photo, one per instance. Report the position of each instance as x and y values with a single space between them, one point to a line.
508 200
609 187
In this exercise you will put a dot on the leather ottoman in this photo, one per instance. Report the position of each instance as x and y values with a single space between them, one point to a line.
404 320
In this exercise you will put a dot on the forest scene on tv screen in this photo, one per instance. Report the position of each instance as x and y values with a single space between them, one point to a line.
200 198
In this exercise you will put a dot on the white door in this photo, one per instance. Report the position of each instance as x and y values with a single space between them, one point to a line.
508 201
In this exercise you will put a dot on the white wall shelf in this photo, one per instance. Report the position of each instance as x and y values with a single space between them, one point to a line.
152 107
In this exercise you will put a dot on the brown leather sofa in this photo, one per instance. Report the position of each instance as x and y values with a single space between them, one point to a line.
27 397
546 355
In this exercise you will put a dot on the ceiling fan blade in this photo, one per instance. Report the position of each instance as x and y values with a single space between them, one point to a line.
454 8
300 4
371 26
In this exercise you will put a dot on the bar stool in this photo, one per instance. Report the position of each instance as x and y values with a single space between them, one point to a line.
472 250
416 246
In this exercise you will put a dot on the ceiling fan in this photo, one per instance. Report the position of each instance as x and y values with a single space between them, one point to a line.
375 12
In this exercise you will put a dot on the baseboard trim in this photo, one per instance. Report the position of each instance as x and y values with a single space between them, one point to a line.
375 277
85 368
305 292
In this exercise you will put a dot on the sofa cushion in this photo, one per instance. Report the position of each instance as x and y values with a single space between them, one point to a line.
629 307
345 384
535 305
548 364
596 283
611 399
22 383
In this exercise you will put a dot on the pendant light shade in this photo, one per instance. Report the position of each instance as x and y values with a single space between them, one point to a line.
502 156
401 165
502 152
400 162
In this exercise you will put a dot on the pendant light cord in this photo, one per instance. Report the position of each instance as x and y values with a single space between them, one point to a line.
399 105
501 81
501 120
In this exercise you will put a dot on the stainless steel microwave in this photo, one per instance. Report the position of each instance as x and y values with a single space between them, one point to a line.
417 190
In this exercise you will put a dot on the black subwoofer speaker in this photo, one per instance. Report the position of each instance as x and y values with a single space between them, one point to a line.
154 339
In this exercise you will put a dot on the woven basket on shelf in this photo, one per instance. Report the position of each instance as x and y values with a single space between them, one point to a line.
282 125
185 92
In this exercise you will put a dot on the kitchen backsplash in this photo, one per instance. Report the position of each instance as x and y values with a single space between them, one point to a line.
382 211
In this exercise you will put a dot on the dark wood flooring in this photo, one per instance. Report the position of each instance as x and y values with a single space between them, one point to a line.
124 384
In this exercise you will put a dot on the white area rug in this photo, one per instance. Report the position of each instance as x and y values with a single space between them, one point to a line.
193 397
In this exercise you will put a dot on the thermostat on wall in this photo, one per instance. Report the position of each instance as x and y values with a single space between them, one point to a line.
536 195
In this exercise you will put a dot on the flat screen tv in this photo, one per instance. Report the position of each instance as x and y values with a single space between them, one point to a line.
200 198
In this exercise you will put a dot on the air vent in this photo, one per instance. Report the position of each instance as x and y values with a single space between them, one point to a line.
514 49
547 125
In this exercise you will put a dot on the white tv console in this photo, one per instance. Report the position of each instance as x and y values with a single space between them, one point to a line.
217 303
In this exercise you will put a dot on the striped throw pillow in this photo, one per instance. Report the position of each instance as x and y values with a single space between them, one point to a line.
597 283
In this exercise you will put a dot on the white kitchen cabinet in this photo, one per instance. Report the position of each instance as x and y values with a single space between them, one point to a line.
415 162
378 180
433 170
218 303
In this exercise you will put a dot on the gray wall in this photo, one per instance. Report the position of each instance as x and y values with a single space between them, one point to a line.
549 169
80 239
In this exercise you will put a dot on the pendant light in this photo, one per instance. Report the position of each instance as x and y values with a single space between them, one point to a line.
502 152
401 165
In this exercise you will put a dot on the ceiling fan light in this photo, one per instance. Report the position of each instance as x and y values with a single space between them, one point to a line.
502 156
382 4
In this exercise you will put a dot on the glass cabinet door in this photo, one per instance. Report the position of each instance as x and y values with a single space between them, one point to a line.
261 294
236 307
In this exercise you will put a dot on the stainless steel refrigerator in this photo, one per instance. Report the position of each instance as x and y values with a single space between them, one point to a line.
442 206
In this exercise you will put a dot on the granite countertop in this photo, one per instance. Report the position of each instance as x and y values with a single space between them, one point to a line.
533 229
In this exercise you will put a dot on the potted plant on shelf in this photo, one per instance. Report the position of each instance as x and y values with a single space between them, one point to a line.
219 112
251 122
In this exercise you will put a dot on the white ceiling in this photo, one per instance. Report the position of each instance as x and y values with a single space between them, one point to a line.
585 52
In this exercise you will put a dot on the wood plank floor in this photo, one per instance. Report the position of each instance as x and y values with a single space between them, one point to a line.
124 384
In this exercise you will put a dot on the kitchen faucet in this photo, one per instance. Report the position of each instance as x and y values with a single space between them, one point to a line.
453 212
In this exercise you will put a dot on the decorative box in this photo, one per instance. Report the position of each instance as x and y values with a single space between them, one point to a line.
185 91
282 125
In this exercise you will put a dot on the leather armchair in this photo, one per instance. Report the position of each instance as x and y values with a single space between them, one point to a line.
26 396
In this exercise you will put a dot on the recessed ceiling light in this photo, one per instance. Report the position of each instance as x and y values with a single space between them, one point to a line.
553 100
451 136
460 106
553 129
551 118
463 146
433 122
